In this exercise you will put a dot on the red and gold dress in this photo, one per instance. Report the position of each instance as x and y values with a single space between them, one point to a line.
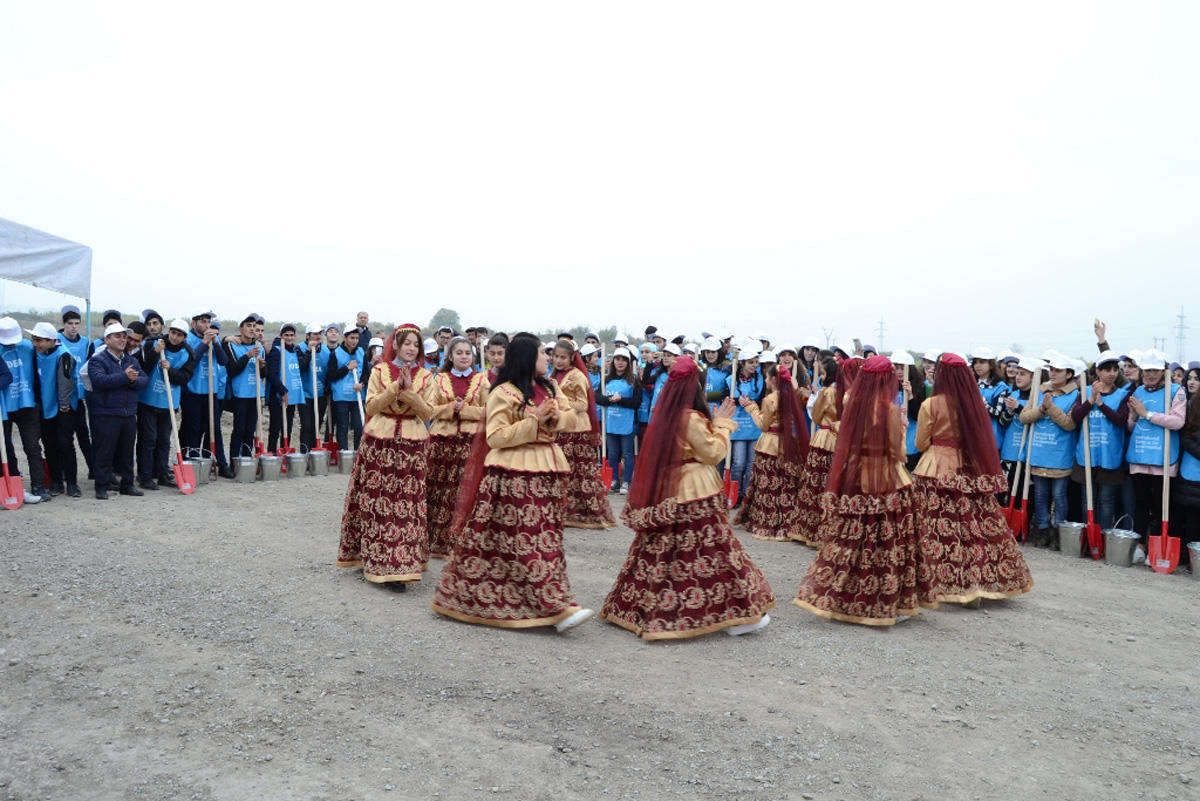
383 522
866 566
450 436
769 512
966 549
587 503
686 574
508 568
815 474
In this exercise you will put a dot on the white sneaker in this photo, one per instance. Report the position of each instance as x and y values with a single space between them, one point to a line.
1139 555
573 620
31 498
624 489
746 628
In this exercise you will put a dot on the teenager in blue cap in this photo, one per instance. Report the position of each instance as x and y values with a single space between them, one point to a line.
81 349
154 409
57 398
240 349
203 339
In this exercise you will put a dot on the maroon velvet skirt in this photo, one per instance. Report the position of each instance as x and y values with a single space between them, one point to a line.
447 457
809 510
587 498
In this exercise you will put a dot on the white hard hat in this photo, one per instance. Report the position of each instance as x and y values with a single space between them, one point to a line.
588 349
1030 364
431 345
982 352
710 343
113 328
901 356
44 330
1150 360
673 349
767 357
10 331
376 342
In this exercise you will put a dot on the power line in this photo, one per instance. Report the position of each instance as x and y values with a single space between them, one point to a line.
1180 336
879 343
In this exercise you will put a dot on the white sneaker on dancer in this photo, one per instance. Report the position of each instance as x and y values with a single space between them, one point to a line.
573 620
746 628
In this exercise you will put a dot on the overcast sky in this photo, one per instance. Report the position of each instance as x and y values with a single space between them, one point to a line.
966 172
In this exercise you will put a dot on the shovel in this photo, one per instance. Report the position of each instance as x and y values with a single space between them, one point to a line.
1009 512
731 486
260 448
1095 536
12 492
212 422
285 446
1020 517
1164 550
185 476
605 467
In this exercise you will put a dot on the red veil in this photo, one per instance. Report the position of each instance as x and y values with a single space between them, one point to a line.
954 380
793 434
847 371
870 453
389 349
657 476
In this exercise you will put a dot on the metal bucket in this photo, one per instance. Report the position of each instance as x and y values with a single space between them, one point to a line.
1194 552
271 467
297 463
345 462
201 464
1072 540
247 469
318 463
1119 544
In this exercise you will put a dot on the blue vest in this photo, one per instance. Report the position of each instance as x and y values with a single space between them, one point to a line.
19 358
242 384
1106 440
1189 468
595 379
618 419
198 383
292 379
1146 439
643 411
155 393
47 367
910 434
322 359
78 349
659 383
714 381
1054 447
752 388
1010 446
989 397
343 388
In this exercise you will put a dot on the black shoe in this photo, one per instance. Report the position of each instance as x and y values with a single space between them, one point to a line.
114 485
226 472
57 488
147 484
101 495
74 491
397 586
132 491
167 481
41 493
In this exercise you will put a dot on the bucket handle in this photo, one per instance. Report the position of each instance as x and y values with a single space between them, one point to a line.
1117 524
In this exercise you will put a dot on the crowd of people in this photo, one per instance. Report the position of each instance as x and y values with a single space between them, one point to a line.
479 449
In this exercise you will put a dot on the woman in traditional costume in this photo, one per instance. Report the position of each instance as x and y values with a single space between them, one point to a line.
820 452
383 524
685 574
866 569
587 497
781 451
966 550
508 568
457 394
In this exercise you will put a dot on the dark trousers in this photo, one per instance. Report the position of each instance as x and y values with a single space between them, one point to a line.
324 418
194 428
282 423
58 439
153 442
29 423
345 416
1147 508
82 432
245 417
308 429
112 449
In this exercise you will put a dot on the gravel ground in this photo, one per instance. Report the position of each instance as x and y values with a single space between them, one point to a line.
205 648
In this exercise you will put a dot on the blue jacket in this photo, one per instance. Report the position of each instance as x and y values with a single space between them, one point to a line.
112 392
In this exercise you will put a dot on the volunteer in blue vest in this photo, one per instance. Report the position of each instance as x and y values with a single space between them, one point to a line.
286 386
1149 416
1106 409
116 377
749 390
22 407
202 338
309 349
990 378
80 348
433 354
621 399
1185 491
168 351
57 398
909 397
1052 458
591 360
344 376
241 350
1012 451
670 353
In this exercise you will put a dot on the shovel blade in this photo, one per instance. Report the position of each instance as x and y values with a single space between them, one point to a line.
14 492
185 477
1164 553
1018 524
1095 537
606 475
731 493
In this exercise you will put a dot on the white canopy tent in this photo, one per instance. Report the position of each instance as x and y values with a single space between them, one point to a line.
33 257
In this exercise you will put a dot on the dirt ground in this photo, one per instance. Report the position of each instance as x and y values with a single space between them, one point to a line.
205 647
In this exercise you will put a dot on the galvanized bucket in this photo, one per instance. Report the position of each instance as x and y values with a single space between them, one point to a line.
198 470
318 463
297 463
247 469
1119 544
1194 552
1072 539
271 467
345 462
201 464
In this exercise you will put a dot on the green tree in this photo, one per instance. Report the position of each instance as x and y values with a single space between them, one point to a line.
444 317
